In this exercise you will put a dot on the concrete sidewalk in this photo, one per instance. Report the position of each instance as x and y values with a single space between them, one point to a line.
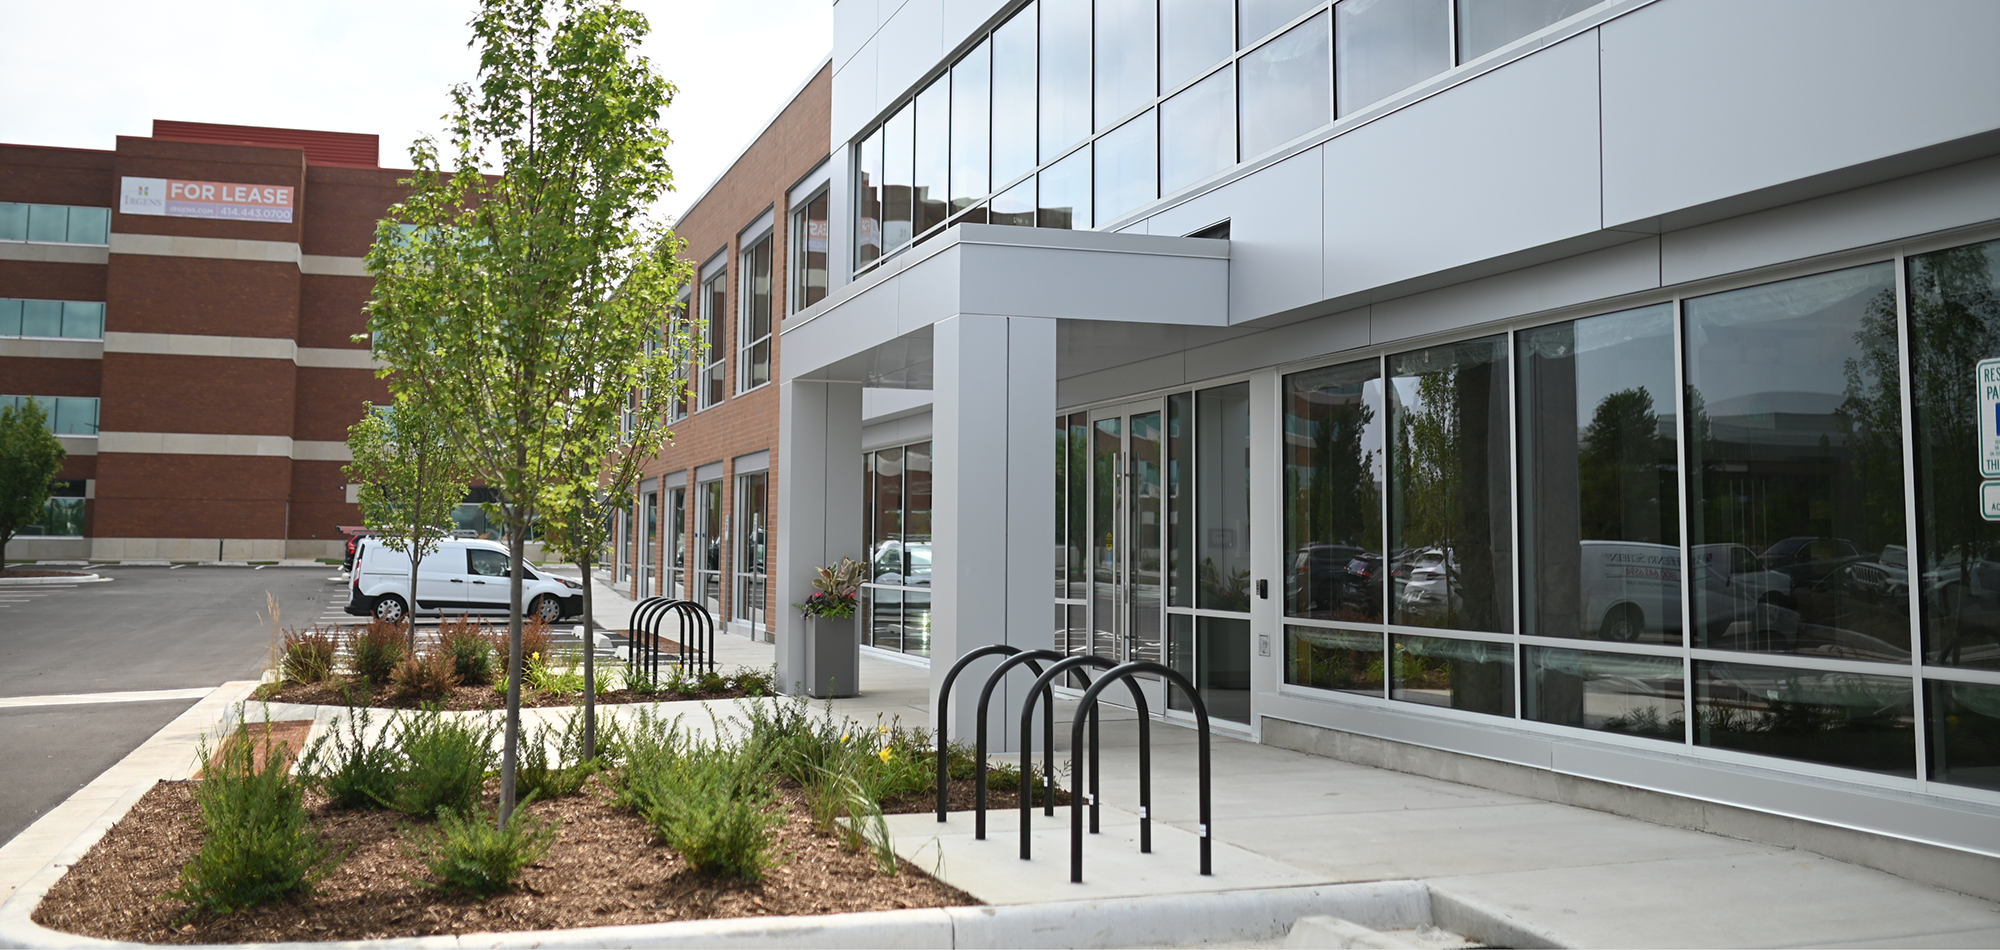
1563 875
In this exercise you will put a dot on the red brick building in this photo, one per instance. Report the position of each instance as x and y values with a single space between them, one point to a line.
698 527
185 304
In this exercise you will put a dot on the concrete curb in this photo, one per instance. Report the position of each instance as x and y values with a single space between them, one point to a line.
1488 924
17 925
33 581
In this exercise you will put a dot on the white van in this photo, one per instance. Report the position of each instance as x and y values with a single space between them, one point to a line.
462 576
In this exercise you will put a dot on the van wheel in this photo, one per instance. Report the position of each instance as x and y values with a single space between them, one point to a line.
1623 624
548 609
391 608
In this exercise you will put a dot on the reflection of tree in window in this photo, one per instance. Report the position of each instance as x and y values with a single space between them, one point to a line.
1442 498
1620 479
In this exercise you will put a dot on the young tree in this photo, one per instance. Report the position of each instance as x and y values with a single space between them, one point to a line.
412 477
30 456
519 306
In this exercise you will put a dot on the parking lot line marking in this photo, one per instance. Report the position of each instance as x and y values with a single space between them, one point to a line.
84 699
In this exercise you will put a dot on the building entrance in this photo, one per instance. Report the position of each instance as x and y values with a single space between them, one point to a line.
1127 501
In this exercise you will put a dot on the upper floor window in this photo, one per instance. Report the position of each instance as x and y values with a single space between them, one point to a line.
66 415
54 224
677 403
715 337
73 319
755 305
810 232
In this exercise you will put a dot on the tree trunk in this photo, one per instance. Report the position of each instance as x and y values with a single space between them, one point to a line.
517 537
416 550
589 669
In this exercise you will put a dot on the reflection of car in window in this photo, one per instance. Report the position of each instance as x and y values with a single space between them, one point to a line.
900 564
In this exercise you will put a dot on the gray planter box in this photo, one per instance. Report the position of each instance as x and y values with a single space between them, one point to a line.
833 657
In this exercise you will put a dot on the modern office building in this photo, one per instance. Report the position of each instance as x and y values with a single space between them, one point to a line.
184 305
699 526
1573 397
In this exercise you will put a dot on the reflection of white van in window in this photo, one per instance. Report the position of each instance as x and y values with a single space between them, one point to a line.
466 576
1630 588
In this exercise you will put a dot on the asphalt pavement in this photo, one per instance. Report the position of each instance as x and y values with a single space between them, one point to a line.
147 629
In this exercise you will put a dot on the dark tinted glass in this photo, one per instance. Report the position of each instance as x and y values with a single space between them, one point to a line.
1600 503
1214 654
1255 19
1472 675
1843 719
933 165
1198 132
1346 660
1335 433
1065 65
1612 692
1286 88
1014 97
1222 490
1796 483
1127 58
868 201
1382 47
1954 300
1964 733
1065 193
1127 167
1487 25
971 106
1194 35
1449 515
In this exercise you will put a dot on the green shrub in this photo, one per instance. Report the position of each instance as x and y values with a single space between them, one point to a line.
707 801
467 852
550 673
840 805
471 650
444 762
257 844
756 682
428 675
640 681
351 767
374 650
537 776
308 655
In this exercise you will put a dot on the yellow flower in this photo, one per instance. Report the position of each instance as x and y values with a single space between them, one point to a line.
885 730
844 738
886 754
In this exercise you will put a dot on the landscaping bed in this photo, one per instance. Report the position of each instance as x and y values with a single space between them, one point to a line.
38 572
472 698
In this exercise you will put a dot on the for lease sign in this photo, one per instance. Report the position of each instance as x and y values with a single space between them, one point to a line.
234 201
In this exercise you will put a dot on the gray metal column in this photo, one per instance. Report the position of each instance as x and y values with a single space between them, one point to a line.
819 506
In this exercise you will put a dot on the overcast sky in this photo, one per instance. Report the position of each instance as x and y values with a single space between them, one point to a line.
80 72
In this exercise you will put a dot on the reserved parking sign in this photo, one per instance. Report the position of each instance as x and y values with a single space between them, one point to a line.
1986 379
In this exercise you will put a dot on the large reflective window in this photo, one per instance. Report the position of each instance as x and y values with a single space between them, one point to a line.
1077 494
1348 661
971 106
1285 87
1214 654
1014 97
1194 35
1844 719
1065 193
1795 491
1127 167
1600 503
1611 692
1255 19
1487 25
933 160
1954 300
1198 132
1964 733
1180 499
1127 58
1015 207
1065 90
1449 514
868 201
898 171
1472 675
1382 47
1335 430
1222 489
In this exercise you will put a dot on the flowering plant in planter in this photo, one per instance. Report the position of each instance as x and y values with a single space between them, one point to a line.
836 590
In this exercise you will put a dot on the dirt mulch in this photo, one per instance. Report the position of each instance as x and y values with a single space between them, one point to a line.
466 697
36 572
605 869
288 737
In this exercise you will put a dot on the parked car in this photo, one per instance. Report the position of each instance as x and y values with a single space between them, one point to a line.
1317 576
461 576
354 536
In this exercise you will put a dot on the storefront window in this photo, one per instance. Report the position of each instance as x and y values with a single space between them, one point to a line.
1845 719
1965 733
1348 661
752 536
896 599
1610 692
1796 482
1335 434
1473 675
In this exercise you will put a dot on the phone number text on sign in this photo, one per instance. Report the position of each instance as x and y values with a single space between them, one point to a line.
234 201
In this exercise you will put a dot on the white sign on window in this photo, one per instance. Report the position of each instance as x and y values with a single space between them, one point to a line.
1986 380
1989 501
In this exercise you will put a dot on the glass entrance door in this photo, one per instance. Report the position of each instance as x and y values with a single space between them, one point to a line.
1126 540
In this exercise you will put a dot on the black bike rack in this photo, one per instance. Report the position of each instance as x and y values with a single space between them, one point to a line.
645 636
1045 686
944 716
1089 704
979 731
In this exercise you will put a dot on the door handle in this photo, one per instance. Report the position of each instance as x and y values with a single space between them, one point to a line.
456 580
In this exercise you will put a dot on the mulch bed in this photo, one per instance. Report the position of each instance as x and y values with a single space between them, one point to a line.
605 869
466 697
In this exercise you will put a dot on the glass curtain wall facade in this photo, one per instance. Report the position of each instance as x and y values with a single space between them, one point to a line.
896 597
1073 113
1714 545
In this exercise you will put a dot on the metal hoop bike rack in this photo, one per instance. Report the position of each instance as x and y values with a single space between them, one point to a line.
1045 686
944 717
979 732
1088 704
645 635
